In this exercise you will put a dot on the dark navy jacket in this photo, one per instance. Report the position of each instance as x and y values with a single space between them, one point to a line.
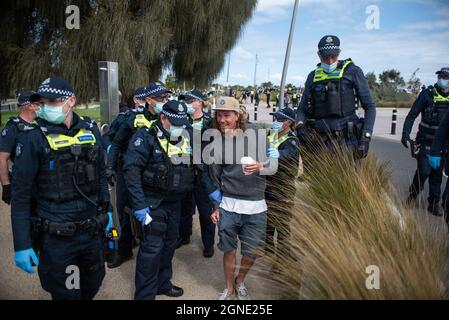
27 166
141 152
122 137
353 79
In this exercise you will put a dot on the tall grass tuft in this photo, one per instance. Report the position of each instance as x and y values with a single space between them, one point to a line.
348 218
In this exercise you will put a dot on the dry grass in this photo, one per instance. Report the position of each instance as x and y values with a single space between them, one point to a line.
346 219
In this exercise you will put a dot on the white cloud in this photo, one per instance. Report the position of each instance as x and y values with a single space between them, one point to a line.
240 76
240 53
440 24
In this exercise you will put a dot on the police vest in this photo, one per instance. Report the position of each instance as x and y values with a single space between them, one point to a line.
276 143
202 123
434 113
23 126
327 97
69 163
166 175
141 121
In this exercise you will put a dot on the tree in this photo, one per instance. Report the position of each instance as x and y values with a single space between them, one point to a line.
392 78
267 84
372 80
414 84
144 37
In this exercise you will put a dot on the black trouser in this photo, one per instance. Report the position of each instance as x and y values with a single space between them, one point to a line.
154 261
446 203
280 222
198 198
125 242
424 172
61 257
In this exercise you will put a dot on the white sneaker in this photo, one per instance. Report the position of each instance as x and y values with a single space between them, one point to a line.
241 291
225 295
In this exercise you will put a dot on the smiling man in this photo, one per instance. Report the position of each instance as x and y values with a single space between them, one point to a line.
242 214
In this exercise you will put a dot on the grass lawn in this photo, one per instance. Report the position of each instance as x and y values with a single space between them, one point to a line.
91 113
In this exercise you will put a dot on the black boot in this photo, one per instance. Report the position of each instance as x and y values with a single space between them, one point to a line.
120 259
182 241
434 208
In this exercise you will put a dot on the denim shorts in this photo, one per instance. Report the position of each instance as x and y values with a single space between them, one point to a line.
250 229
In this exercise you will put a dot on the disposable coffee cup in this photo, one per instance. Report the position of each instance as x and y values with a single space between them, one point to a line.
246 161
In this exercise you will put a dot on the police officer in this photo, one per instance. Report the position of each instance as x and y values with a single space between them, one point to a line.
329 99
63 159
13 136
432 103
153 97
200 121
280 191
159 174
139 107
295 99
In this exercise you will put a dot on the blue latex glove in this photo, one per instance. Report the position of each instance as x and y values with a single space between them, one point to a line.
216 196
273 153
434 161
141 215
108 149
109 225
23 259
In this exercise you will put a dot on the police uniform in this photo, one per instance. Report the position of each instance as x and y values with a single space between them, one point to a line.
13 137
432 104
328 101
131 121
66 166
199 197
281 186
159 174
439 148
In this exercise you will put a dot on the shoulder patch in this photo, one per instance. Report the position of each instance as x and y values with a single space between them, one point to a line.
138 142
4 132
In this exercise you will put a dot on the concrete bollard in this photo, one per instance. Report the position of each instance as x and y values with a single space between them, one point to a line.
394 120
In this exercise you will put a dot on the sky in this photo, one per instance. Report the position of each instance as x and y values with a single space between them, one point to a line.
411 34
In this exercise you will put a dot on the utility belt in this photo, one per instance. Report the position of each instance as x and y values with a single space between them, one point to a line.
67 229
350 131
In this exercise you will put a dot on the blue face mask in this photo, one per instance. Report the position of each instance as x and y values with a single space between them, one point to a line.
175 131
52 114
443 83
158 108
190 109
329 68
276 126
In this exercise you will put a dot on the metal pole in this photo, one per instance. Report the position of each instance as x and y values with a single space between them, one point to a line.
229 66
287 54
255 73
108 83
394 119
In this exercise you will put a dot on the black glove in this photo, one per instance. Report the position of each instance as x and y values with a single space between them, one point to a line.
363 148
110 175
405 140
6 194
303 134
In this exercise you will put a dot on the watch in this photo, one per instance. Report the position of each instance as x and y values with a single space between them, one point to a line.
367 135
